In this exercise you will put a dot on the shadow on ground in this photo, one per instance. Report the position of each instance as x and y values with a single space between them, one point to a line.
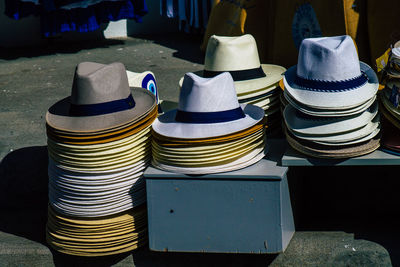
23 209
187 45
360 200
23 193
146 258
55 46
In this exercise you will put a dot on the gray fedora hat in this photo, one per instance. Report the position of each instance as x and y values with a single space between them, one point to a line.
100 99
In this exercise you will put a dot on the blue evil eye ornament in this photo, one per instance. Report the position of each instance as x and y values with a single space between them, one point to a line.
149 83
305 24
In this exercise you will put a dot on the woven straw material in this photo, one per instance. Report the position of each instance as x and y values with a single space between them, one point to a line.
97 237
329 152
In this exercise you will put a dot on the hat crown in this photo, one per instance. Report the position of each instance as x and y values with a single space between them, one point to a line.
96 83
231 53
328 59
208 94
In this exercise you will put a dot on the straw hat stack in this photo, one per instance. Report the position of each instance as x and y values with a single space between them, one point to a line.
99 145
210 132
389 103
330 96
255 83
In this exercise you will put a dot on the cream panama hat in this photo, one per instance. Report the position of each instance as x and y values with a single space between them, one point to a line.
100 99
208 107
239 56
329 75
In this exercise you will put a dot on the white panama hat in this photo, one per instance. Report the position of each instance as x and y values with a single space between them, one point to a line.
310 125
238 55
329 75
208 107
343 137
328 112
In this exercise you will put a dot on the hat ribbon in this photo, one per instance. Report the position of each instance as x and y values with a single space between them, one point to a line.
209 117
238 75
102 108
332 85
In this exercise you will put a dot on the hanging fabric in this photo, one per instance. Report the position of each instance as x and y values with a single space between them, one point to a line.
192 14
57 16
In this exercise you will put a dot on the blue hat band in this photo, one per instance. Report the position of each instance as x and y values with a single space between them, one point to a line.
331 85
209 117
102 108
238 75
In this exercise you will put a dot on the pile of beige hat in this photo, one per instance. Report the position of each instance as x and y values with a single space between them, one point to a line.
99 145
255 83
210 132
330 100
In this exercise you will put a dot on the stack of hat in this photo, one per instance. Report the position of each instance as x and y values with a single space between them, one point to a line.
255 83
99 145
389 100
330 96
210 132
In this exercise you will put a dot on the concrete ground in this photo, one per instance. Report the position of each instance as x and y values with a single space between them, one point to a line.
344 216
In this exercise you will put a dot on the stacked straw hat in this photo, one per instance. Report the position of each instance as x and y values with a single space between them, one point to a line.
255 83
330 96
99 145
210 132
389 103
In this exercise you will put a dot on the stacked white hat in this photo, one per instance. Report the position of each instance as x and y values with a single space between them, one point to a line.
331 109
210 132
390 100
99 145
255 83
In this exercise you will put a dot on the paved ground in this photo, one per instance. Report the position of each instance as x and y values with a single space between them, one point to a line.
341 220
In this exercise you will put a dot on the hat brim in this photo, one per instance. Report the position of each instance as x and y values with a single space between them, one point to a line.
262 101
58 115
328 113
249 98
167 126
393 73
204 150
273 74
310 125
389 105
332 100
212 158
343 137
329 152
245 161
353 142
